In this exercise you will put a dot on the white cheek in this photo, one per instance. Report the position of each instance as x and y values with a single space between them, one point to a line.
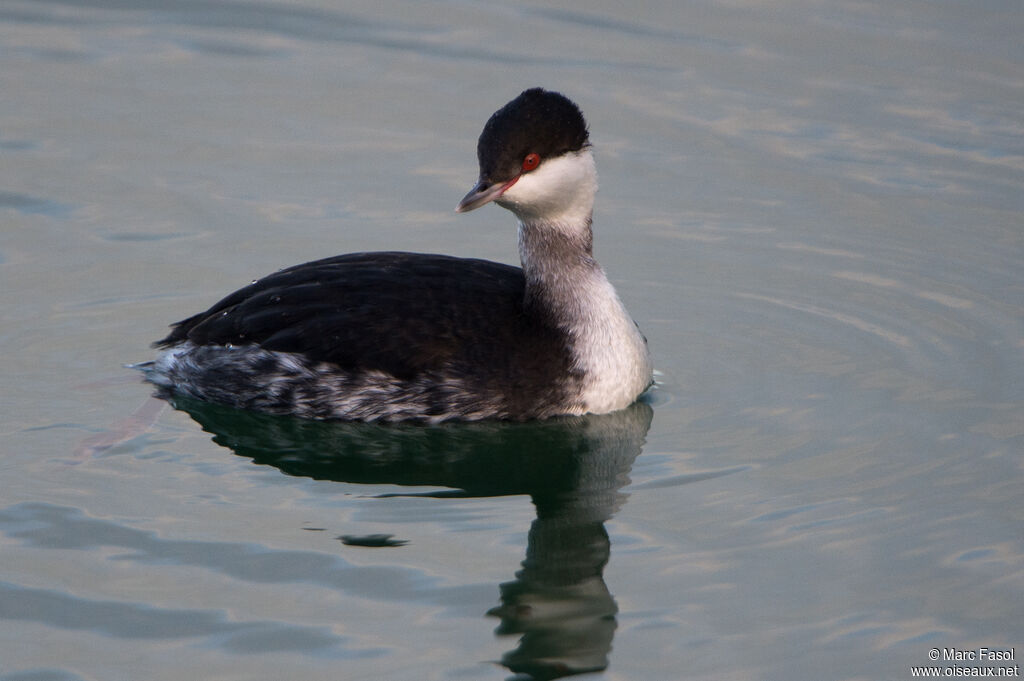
560 190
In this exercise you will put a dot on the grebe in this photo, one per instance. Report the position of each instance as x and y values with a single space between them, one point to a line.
394 336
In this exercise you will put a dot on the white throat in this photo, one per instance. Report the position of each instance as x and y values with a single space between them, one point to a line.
561 190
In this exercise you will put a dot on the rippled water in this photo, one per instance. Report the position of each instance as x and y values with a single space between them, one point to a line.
814 211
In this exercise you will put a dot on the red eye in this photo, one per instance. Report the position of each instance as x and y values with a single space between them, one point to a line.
530 162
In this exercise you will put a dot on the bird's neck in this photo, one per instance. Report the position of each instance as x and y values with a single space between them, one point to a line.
566 287
558 262
554 205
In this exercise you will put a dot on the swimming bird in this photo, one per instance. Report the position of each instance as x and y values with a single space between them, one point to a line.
394 336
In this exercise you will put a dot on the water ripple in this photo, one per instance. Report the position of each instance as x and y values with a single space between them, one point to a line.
57 527
61 610
33 205
835 316
303 23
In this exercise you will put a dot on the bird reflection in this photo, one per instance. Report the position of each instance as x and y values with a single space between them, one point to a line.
572 468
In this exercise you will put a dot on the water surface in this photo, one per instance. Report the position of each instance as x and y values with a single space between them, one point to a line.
814 211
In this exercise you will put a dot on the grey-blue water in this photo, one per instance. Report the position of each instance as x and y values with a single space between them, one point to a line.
815 211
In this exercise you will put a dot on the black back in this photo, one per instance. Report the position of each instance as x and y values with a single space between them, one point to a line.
400 313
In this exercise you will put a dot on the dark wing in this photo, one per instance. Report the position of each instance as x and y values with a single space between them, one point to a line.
397 312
